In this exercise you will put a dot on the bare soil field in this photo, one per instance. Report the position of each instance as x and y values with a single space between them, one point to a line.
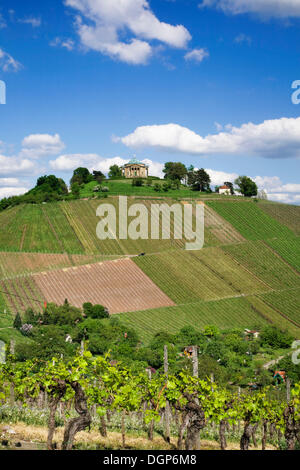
119 285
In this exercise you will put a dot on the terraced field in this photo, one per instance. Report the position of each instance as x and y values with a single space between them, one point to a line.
285 214
250 220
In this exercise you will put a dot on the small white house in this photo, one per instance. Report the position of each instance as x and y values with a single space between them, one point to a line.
224 190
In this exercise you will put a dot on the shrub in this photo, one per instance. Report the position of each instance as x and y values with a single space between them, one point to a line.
137 182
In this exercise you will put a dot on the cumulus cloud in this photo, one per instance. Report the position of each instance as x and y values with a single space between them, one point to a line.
219 177
101 23
9 182
267 8
12 191
277 138
278 191
96 162
8 63
70 162
196 55
41 145
12 165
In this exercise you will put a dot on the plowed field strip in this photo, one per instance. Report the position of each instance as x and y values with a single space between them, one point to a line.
119 285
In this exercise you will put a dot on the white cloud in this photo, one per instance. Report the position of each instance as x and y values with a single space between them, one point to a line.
277 138
8 63
196 55
266 8
66 43
108 20
277 191
219 177
72 161
9 182
12 165
34 22
96 162
41 145
12 191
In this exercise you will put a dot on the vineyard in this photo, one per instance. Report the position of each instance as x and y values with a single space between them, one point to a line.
288 249
250 221
265 264
225 313
119 285
202 275
52 253
286 302
88 386
285 214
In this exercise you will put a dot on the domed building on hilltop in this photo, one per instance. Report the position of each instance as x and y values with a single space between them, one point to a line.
135 169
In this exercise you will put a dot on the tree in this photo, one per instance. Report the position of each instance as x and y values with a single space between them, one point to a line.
95 311
174 171
230 186
115 172
98 176
199 180
246 186
49 184
75 188
17 322
81 176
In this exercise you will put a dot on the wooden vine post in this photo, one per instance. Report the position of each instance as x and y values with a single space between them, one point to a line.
167 409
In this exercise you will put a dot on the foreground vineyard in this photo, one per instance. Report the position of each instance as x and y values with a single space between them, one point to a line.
93 382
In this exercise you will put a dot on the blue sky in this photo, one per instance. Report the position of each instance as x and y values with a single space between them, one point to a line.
208 83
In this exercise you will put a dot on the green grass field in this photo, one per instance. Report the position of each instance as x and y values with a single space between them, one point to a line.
124 187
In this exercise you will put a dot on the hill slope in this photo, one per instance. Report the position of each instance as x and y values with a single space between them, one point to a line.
247 274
